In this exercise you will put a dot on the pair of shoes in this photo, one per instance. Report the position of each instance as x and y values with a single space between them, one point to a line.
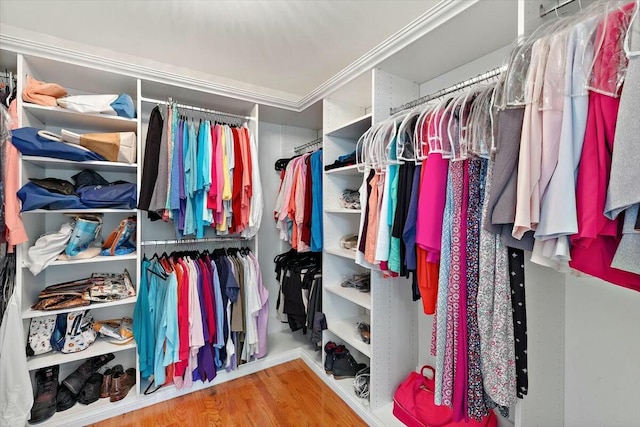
365 332
78 378
44 404
361 383
107 378
361 282
340 362
116 383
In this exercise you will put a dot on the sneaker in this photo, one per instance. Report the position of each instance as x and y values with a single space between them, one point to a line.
44 404
66 399
345 366
361 383
76 380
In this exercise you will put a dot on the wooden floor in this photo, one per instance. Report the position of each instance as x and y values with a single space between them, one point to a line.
285 395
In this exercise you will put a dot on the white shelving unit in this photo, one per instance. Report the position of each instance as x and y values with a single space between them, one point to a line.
58 117
99 347
344 123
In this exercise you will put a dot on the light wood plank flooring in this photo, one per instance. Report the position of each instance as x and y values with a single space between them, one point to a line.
285 395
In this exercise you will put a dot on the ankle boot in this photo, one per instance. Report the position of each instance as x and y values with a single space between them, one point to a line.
107 378
121 383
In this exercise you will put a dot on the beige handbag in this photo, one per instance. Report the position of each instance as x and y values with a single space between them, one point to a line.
115 147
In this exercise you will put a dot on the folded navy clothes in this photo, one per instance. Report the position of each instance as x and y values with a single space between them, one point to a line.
344 160
116 196
34 196
91 191
27 141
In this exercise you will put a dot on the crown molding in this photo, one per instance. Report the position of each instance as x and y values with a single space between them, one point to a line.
418 28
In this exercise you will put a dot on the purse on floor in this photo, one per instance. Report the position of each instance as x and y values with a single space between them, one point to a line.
413 404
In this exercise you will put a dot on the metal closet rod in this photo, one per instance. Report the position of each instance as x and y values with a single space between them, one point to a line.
186 241
443 92
306 145
191 107
558 6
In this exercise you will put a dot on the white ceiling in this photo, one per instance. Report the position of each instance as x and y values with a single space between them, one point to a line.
288 46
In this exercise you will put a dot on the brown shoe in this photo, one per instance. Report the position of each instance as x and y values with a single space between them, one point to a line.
105 389
121 383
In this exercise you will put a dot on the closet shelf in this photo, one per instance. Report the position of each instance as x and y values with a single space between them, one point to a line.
60 164
347 330
345 253
30 313
343 211
345 170
80 211
98 348
363 299
353 129
63 118
97 259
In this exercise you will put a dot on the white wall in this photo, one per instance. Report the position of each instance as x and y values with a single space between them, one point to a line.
602 354
276 141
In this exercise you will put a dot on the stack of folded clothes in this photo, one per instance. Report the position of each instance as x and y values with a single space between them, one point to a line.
90 191
345 160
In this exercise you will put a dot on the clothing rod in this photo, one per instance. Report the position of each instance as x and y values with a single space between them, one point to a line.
307 145
190 107
558 6
443 92
186 241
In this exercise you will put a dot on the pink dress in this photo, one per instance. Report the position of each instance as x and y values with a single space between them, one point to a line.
595 244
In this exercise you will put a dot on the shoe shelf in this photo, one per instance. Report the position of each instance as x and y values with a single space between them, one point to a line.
352 129
97 259
100 409
61 164
343 211
30 313
63 118
345 253
345 170
347 330
98 348
345 388
363 299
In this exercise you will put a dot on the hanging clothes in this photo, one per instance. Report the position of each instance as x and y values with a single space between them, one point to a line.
198 313
298 206
211 182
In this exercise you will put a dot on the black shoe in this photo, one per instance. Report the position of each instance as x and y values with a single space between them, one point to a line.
66 399
345 366
76 380
44 404
330 350
91 390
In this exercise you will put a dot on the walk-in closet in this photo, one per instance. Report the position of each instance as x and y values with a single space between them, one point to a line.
366 187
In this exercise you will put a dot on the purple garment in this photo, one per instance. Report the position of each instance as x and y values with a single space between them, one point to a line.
409 232
263 314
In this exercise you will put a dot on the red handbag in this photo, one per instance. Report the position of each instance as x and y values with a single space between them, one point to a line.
413 405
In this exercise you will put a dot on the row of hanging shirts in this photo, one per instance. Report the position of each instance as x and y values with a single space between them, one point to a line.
199 313
298 206
201 174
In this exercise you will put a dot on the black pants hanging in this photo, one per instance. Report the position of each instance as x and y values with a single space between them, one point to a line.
516 267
